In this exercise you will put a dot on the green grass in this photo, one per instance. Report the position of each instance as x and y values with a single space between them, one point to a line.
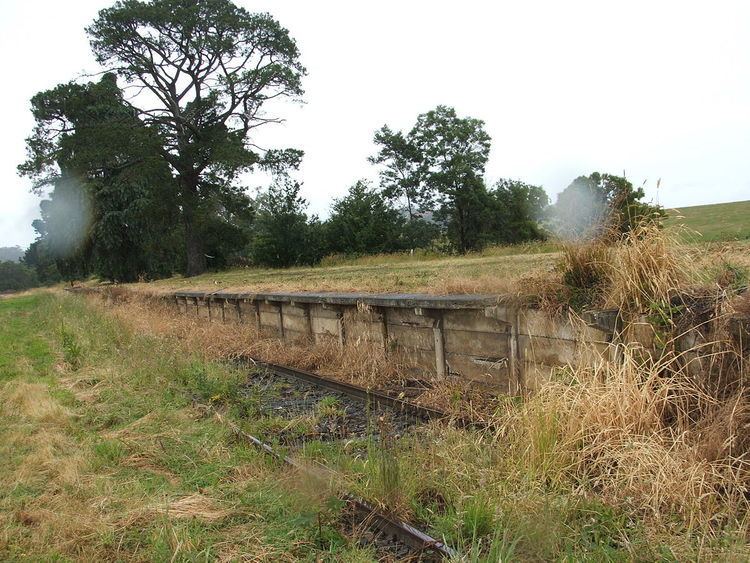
715 222
103 457
490 271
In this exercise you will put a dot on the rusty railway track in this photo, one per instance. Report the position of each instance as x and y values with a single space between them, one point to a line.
374 398
425 548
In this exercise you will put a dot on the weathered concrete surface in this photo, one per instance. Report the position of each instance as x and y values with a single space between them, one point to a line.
248 311
231 311
203 310
270 318
476 337
480 338
395 300
297 322
216 309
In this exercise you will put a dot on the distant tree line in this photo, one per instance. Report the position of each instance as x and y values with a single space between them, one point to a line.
14 275
140 169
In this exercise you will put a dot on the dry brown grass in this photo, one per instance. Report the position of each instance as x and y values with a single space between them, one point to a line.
33 401
361 361
192 507
477 273
632 272
644 433
649 265
40 427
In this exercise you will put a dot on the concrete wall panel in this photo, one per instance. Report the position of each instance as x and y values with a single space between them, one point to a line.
550 351
364 330
325 326
270 322
203 309
418 338
537 323
473 320
216 310
324 312
481 370
297 323
409 317
476 343
293 309
248 313
231 311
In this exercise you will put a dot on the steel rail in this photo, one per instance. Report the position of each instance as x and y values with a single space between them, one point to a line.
363 394
371 516
368 396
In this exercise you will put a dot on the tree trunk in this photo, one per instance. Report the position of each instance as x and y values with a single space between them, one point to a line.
194 252
461 229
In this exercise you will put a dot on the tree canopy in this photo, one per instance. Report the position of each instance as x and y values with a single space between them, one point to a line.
16 277
203 72
362 222
598 203
166 150
110 203
283 234
141 169
437 170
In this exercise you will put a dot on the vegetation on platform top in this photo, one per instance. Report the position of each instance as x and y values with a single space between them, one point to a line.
493 270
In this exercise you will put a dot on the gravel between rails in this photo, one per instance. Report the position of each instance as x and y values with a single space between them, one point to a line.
334 415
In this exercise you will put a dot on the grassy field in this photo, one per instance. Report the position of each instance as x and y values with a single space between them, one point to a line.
497 271
716 222
725 227
103 456
492 271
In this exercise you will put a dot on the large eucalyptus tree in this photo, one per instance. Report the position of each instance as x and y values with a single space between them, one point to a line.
201 73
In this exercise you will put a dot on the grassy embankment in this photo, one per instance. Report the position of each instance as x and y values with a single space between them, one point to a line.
726 227
716 222
104 458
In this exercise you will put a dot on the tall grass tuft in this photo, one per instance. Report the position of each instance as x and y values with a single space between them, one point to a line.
644 433
629 272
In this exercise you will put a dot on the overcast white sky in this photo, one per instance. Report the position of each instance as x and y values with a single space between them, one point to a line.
654 89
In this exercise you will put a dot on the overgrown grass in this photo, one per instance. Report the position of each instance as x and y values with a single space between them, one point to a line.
636 272
103 457
636 460
493 270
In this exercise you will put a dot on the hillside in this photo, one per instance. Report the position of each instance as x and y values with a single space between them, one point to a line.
715 222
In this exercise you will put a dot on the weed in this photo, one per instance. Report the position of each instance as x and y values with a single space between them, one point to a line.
478 518
109 452
733 277
500 548
72 350
661 316
329 407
